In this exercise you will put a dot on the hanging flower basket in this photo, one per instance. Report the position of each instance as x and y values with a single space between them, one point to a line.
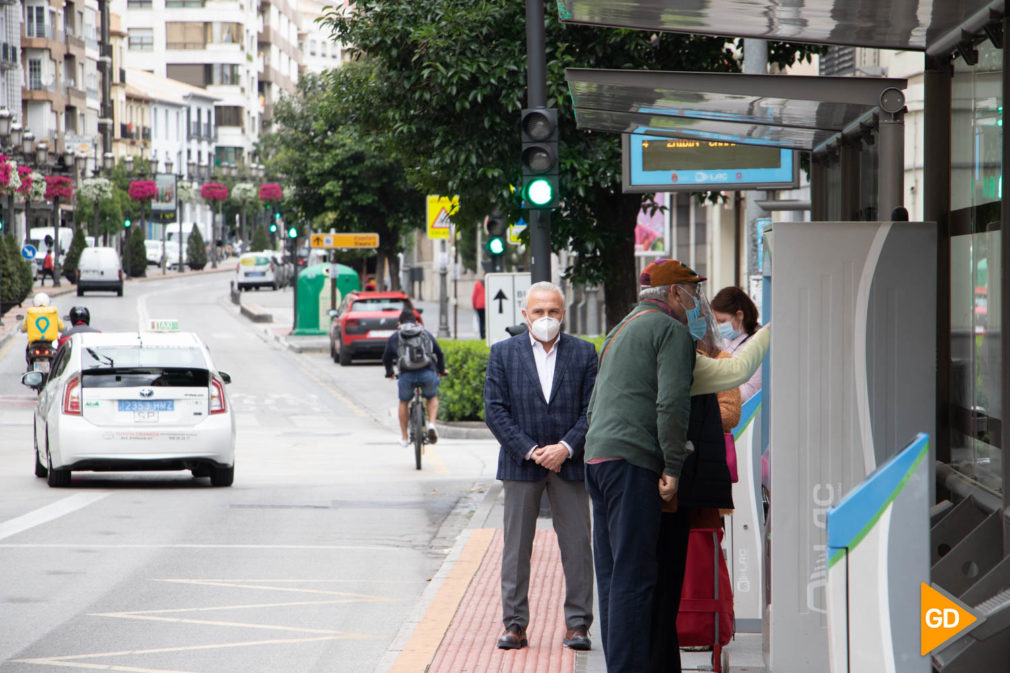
243 192
27 178
95 189
10 180
214 191
271 191
59 187
142 190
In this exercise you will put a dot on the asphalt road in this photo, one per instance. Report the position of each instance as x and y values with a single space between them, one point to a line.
312 561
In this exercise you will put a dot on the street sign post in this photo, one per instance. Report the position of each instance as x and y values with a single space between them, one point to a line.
333 241
28 251
505 298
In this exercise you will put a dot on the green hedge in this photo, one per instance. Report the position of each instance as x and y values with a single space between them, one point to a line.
461 393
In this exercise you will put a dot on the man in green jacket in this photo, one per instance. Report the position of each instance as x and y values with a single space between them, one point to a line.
635 448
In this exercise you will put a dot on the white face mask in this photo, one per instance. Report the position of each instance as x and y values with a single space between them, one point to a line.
545 329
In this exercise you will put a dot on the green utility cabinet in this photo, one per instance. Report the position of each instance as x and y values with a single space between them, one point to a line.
313 304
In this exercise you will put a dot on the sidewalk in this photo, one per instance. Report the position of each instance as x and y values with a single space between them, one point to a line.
9 327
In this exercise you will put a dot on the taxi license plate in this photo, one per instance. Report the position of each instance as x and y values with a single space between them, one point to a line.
146 405
380 333
254 274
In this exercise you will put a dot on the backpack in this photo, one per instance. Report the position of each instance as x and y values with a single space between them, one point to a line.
414 350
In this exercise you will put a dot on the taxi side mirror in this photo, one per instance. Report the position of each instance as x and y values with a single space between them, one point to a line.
34 380
225 376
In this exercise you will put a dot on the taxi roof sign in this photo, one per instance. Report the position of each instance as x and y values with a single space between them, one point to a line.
163 325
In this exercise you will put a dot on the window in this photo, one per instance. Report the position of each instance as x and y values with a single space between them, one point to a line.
139 4
35 21
228 115
221 32
312 47
222 73
141 39
175 4
184 35
34 73
193 74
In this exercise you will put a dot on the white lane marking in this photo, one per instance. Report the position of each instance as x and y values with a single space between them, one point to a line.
49 513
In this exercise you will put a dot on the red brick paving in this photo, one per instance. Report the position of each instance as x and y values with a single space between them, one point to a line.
469 645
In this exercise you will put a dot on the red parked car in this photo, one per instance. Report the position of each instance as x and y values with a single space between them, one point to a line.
364 322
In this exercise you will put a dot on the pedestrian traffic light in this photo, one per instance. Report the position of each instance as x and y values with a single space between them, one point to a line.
539 134
126 223
292 232
273 227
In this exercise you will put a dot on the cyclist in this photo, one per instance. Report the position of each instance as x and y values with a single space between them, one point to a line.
420 362
42 323
80 321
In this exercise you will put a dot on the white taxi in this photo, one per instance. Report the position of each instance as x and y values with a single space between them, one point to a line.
133 401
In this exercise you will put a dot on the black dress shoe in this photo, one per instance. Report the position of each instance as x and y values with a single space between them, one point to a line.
577 639
514 638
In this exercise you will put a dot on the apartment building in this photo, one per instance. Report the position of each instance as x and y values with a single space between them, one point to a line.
10 48
279 54
319 50
208 45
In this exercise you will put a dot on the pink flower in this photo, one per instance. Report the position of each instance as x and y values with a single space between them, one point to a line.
271 191
142 190
59 187
25 173
214 191
5 171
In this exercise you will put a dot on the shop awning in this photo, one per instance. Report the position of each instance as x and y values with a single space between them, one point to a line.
885 24
794 112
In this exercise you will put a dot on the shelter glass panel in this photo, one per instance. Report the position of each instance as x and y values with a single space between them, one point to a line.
976 130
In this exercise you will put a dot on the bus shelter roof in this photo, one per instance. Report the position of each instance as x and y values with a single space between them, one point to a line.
794 112
887 24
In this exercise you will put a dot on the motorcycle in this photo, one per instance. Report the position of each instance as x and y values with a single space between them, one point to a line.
40 356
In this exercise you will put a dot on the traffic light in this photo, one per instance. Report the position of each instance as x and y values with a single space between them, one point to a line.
273 227
496 228
292 232
126 223
538 131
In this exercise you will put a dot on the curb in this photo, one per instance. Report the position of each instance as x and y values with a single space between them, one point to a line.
463 430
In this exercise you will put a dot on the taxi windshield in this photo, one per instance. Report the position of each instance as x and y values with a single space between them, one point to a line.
134 356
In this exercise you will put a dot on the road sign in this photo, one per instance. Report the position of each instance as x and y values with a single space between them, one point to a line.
345 241
440 209
516 229
505 298
28 251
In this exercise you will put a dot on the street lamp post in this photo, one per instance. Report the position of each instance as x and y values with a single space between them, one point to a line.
169 164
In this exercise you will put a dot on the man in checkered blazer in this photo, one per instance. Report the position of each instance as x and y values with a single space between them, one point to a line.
536 394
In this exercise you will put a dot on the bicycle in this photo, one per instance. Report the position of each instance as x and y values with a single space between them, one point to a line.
417 425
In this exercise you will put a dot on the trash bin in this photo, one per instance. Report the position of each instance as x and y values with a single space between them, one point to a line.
311 315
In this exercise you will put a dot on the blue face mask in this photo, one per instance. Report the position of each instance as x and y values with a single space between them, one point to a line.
696 325
727 331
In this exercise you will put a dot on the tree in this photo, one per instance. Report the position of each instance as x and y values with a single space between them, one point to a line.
338 176
260 240
196 250
138 253
16 275
74 254
445 82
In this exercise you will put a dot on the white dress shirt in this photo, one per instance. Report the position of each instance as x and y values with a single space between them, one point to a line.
546 362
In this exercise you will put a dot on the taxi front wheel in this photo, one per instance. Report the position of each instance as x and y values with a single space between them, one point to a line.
222 476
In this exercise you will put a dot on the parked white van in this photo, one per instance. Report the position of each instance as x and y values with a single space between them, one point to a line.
99 269
37 237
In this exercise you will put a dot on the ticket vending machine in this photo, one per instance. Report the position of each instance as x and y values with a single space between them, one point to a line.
851 380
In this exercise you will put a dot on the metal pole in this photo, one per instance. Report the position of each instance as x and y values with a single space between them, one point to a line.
56 243
536 96
105 70
755 62
443 293
891 190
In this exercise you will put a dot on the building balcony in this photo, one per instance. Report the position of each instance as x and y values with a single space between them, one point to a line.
8 56
43 32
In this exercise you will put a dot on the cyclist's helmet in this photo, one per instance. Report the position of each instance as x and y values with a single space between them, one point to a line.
79 315
41 299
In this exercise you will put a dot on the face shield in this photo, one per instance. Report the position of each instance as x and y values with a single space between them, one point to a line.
701 321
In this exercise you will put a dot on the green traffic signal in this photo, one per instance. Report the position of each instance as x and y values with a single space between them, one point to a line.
277 215
496 246
539 192
273 228
292 232
126 223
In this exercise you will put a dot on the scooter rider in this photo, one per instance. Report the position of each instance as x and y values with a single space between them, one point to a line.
42 323
80 321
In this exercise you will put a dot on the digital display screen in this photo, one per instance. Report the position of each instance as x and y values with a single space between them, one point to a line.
682 154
